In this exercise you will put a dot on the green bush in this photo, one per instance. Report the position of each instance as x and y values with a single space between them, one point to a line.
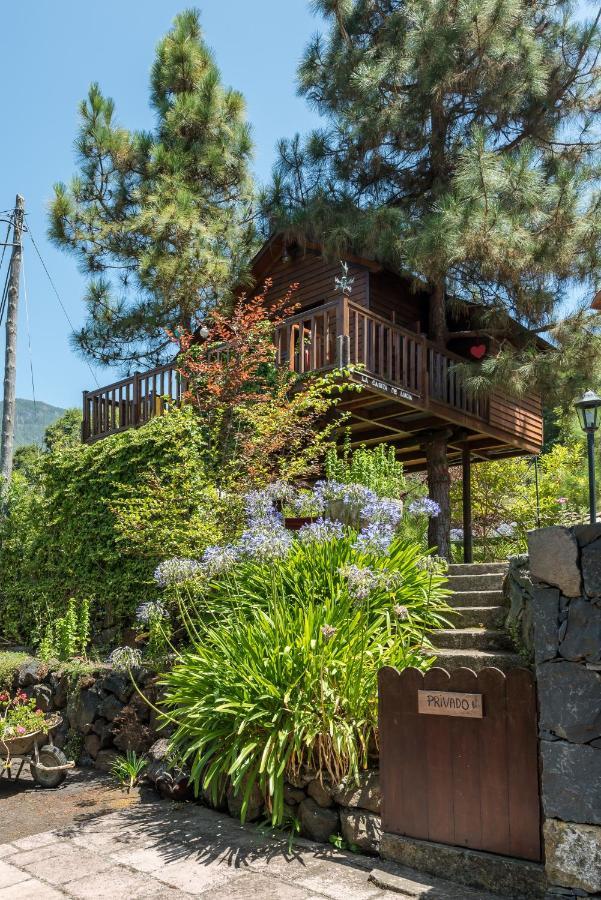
282 670
504 499
375 468
92 521
67 635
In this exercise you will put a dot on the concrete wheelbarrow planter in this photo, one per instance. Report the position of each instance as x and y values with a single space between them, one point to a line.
48 765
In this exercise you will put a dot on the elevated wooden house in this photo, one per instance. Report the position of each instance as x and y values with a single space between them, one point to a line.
411 386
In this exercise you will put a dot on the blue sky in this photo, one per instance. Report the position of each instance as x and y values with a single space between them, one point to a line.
51 50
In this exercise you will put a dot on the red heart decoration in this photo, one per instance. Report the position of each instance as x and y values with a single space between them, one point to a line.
478 350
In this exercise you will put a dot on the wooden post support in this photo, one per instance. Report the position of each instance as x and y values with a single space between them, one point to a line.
10 356
85 423
468 543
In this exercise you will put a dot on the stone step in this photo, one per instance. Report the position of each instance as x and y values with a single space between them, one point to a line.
477 659
475 598
491 581
515 878
472 639
478 568
478 616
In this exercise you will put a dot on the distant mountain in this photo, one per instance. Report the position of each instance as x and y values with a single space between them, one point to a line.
32 420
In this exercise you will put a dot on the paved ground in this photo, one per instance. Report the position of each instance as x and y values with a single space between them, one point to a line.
154 848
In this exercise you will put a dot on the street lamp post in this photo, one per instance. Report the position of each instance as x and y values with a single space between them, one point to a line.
588 416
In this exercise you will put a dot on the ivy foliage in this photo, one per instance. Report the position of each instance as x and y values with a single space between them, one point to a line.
93 521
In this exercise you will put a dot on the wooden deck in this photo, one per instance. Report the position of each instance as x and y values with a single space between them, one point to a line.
410 387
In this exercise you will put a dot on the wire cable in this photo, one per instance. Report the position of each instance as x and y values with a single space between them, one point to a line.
61 304
5 288
35 408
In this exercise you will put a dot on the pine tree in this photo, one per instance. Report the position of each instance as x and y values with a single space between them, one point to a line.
461 146
160 221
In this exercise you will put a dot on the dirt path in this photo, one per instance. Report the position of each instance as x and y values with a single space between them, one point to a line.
28 809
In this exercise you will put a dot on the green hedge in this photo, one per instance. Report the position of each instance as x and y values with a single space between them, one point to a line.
94 521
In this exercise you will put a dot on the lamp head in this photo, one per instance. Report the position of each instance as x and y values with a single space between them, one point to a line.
587 409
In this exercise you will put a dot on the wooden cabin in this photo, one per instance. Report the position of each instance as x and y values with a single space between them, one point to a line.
411 386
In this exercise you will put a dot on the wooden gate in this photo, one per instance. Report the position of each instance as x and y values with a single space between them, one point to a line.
462 771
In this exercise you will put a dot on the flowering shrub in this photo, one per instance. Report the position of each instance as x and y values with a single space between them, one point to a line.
125 658
375 468
286 640
19 716
257 424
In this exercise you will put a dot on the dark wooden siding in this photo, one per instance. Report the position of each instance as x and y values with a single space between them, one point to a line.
392 298
519 416
316 282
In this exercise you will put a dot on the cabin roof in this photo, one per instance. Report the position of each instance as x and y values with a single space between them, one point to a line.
272 250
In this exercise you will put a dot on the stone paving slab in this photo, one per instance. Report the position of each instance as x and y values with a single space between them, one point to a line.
158 850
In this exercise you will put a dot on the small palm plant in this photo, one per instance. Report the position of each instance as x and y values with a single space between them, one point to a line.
128 770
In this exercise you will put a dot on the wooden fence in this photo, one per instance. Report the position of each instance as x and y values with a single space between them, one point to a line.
461 779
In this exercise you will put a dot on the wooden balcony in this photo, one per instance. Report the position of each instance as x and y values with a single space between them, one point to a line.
409 386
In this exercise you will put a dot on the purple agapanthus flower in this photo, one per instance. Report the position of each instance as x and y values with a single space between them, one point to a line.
219 559
260 510
425 506
153 609
326 491
361 581
264 543
383 511
321 531
374 538
176 570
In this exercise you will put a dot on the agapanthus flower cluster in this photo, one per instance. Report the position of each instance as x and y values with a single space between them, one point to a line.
506 529
327 491
151 611
374 538
362 581
424 506
321 531
328 632
125 658
260 510
217 560
176 570
264 544
401 612
383 511
456 535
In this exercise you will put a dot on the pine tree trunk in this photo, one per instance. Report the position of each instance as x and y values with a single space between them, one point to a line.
439 528
438 313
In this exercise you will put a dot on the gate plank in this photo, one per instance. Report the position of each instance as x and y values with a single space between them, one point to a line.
412 757
437 749
494 771
390 724
522 743
465 742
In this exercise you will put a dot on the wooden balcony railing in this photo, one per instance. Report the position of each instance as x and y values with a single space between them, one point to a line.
131 401
338 334
343 333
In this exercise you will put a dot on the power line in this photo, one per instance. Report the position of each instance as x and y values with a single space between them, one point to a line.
35 408
5 289
62 305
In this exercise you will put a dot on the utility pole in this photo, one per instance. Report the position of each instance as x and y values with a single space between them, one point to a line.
10 355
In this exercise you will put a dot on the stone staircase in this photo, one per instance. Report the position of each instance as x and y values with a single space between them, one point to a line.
478 638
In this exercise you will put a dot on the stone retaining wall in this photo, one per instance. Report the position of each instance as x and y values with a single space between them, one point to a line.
321 809
103 715
556 610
